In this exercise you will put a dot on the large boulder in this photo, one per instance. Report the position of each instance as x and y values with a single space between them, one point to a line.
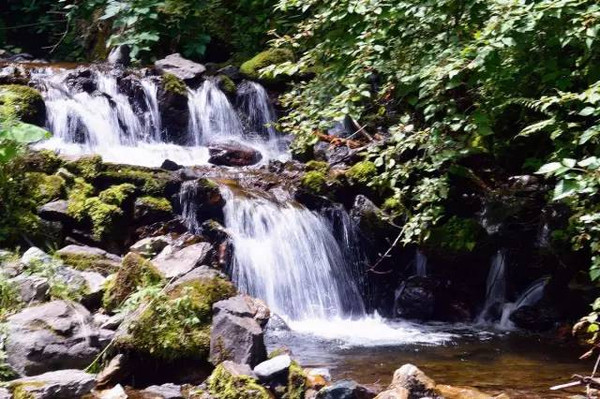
62 384
87 258
184 69
244 306
416 298
56 335
274 368
22 102
232 153
55 211
176 262
412 379
345 389
235 334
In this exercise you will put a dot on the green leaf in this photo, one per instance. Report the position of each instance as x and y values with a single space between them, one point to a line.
549 168
25 133
587 111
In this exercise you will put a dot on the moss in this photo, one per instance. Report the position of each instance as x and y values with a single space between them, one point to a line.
23 103
317 166
173 84
252 67
362 172
135 272
177 325
21 390
456 235
224 385
47 187
392 205
117 195
296 382
10 299
88 167
158 204
149 182
78 194
314 182
227 85
88 262
104 217
44 161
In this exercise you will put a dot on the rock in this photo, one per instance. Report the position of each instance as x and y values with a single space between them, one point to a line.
345 389
230 378
112 373
95 288
150 210
32 288
244 306
151 246
55 335
231 71
396 393
62 384
87 258
55 211
165 391
534 318
10 266
202 200
317 378
116 392
113 322
34 256
411 378
24 103
273 369
372 222
239 339
184 69
232 153
119 56
5 394
174 110
452 392
170 165
174 262
416 298
200 273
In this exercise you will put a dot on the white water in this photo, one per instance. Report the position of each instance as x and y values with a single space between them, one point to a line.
105 122
420 264
495 288
532 295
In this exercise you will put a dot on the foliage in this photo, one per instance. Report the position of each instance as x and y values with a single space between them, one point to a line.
456 235
253 66
223 384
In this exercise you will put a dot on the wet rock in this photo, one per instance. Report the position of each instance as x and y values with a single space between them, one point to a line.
372 222
396 393
31 288
244 306
231 71
151 246
534 318
82 79
416 298
202 200
119 56
345 389
56 335
174 111
184 69
165 391
87 258
151 210
35 256
174 262
232 153
170 165
273 369
239 339
55 211
116 392
62 384
113 372
411 378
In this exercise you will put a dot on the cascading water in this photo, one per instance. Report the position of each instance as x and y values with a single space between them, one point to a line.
420 264
532 295
254 101
495 288
98 118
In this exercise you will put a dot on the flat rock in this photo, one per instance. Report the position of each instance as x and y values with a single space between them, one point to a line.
53 336
165 391
174 262
62 384
55 211
183 68
89 258
31 288
274 368
232 153
244 306
35 255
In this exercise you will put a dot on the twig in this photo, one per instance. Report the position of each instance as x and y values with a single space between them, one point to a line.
386 254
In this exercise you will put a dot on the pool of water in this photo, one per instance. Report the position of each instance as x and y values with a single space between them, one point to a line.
521 365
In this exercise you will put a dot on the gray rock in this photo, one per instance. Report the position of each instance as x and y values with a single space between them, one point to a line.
272 369
345 389
232 153
238 369
200 273
85 251
113 372
174 262
53 336
5 394
411 378
31 288
9 266
55 211
62 384
95 287
151 246
239 339
184 69
116 392
244 306
35 255
119 56
113 322
165 391
65 174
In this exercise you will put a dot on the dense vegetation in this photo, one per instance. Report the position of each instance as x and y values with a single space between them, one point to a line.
442 90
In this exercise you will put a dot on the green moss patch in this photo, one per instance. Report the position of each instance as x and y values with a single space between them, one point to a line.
296 382
223 385
317 166
156 204
88 167
147 181
314 182
173 84
252 67
47 187
456 235
362 173
23 103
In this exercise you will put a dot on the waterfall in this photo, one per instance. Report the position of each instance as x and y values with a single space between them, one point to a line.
288 256
495 288
189 205
420 264
532 295
153 122
254 101
212 117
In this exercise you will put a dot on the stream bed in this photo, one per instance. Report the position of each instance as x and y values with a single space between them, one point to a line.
521 365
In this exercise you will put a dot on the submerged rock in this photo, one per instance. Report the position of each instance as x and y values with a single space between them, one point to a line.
62 384
184 69
56 335
232 153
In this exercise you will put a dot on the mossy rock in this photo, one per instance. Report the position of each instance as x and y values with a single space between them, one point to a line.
296 385
252 67
47 187
227 85
44 161
362 173
317 166
456 235
149 210
172 84
314 182
223 384
78 194
135 272
23 103
118 195
177 324
147 181
88 166
156 204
